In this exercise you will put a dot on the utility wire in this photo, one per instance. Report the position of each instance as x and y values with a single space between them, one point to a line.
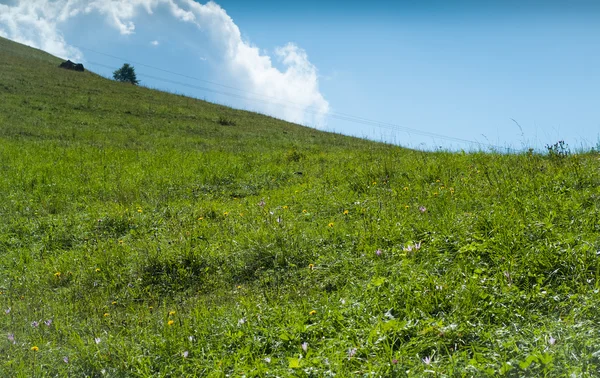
289 104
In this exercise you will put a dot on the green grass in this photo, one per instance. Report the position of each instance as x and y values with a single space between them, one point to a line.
166 236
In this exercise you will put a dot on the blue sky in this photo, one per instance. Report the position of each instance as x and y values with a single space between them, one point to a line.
422 73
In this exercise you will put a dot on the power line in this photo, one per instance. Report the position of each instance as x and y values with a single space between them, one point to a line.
290 104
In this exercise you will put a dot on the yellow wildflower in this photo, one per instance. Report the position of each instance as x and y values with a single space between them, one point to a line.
97 270
172 312
313 312
170 322
346 212
34 348
311 266
106 314
330 224
57 274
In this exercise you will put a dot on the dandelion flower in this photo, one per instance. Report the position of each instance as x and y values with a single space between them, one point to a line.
170 322
35 348
304 211
139 210
313 312
106 314
405 188
172 312
97 270
285 207
330 224
57 274
311 266
346 212
226 213
114 303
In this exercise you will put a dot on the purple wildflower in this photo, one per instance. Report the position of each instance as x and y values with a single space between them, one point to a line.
417 246
261 203
394 361
185 354
422 209
48 322
11 337
305 346
7 311
97 340
35 324
378 252
66 359
351 353
427 360
551 340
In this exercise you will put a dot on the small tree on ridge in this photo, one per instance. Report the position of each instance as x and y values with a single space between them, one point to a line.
126 74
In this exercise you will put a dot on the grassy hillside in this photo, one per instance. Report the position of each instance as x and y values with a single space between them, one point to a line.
140 236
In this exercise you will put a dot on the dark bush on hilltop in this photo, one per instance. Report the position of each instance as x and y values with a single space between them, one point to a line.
72 66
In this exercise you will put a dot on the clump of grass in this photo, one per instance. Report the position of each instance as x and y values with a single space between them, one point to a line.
225 121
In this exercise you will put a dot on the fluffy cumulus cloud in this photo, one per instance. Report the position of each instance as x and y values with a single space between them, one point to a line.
292 93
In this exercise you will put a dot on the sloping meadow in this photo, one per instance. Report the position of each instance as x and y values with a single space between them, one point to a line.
142 235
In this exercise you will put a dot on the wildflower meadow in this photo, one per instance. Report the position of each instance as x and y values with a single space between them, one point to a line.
141 237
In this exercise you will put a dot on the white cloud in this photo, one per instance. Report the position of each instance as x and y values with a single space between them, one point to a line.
154 43
38 23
